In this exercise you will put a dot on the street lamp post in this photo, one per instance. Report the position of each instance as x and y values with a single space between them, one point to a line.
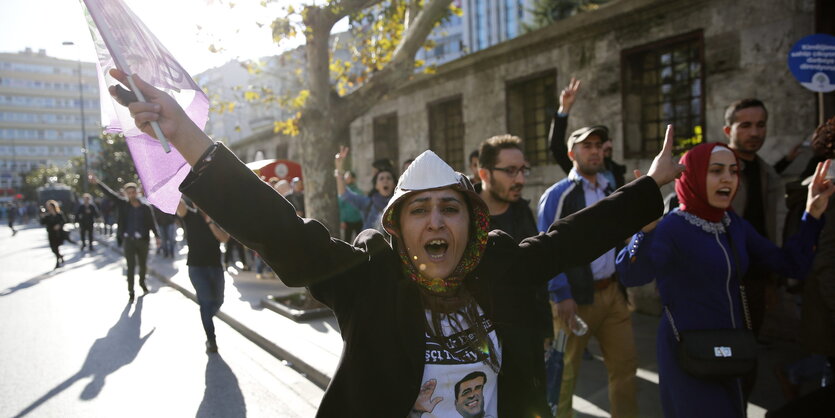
83 130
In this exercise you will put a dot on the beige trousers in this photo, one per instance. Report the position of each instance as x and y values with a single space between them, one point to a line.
610 322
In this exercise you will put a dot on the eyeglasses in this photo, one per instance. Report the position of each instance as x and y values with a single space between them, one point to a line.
513 171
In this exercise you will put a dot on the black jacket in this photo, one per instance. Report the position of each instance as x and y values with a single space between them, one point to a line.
522 225
122 204
556 142
83 218
379 309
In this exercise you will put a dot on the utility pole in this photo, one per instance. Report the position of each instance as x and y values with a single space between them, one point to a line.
83 130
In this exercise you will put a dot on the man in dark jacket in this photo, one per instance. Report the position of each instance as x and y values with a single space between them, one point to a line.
503 172
85 216
136 221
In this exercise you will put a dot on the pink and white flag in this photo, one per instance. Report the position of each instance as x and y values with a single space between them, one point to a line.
124 42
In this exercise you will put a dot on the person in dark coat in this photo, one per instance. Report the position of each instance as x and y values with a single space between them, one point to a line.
85 216
54 220
442 299
136 222
818 329
11 212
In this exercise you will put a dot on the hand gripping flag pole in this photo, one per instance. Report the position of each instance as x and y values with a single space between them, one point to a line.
154 125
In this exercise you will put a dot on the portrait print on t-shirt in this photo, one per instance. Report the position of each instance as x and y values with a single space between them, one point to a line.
456 381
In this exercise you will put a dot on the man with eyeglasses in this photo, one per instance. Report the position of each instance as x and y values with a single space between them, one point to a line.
503 172
503 169
591 291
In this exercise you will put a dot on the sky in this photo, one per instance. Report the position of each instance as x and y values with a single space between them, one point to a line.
46 24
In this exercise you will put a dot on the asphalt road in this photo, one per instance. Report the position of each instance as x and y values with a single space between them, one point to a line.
72 346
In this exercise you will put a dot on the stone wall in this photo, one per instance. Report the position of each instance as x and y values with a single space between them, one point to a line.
745 47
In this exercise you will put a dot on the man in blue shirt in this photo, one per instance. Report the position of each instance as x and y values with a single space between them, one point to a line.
590 292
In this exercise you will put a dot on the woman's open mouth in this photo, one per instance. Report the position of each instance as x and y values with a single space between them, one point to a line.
436 249
724 192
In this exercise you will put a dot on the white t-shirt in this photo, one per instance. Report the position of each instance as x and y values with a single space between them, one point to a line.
456 381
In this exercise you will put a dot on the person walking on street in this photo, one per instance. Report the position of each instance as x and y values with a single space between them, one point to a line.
136 222
106 207
168 232
205 269
53 219
12 213
85 217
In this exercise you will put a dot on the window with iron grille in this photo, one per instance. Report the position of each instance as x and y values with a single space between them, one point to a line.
530 104
663 83
385 138
446 131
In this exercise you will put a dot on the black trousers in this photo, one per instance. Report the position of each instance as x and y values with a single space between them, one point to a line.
55 241
86 230
136 253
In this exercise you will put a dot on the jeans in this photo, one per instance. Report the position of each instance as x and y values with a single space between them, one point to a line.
169 237
136 250
208 283
261 266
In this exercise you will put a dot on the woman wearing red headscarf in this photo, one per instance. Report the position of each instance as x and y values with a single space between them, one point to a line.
691 258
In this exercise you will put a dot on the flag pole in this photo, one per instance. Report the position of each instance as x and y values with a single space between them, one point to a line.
122 65
154 124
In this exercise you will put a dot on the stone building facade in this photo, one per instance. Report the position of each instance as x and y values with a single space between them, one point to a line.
643 63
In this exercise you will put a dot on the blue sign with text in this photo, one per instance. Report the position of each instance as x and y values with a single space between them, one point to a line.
812 62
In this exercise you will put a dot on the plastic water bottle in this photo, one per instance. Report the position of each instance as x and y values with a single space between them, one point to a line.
579 328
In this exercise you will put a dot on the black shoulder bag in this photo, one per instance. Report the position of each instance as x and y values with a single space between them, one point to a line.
718 354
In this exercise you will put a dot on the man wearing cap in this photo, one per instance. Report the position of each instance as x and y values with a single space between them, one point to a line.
590 292
136 222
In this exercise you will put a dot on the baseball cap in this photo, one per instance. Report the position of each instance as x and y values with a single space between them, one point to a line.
581 134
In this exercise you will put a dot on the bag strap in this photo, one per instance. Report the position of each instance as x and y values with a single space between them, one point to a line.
741 286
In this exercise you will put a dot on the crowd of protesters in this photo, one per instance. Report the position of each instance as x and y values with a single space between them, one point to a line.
434 255
492 301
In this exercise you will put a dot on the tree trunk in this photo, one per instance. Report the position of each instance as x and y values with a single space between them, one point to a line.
326 116
319 143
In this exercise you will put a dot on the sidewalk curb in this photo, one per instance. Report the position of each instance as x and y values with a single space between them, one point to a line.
308 371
